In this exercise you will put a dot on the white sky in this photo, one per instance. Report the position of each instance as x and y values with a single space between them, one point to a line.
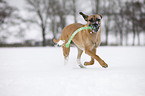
17 3
33 34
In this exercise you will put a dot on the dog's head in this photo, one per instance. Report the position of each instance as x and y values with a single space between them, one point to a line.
93 21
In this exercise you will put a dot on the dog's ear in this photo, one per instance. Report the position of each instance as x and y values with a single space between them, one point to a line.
100 16
84 16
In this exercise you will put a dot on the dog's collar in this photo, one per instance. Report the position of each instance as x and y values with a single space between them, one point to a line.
82 28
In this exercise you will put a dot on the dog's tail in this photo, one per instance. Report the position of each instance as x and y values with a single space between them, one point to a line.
59 42
55 41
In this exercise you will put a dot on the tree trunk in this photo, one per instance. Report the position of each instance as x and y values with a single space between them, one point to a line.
144 38
53 26
133 24
107 33
74 11
127 31
138 36
126 37
43 35
97 5
62 21
133 29
42 27
121 37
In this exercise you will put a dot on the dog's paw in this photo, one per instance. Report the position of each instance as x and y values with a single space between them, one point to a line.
81 66
88 63
104 65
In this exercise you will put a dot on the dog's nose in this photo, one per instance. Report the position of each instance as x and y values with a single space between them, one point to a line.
96 24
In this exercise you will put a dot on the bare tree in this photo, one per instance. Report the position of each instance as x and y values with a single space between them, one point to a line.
5 11
96 6
40 8
143 16
120 22
133 13
62 14
107 20
74 6
9 19
55 12
50 14
61 9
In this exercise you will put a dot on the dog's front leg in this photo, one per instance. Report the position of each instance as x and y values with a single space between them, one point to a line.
92 59
93 55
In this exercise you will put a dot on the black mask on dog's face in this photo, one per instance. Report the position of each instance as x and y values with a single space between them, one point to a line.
93 21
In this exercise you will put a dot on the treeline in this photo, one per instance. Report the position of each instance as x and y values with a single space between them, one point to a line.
123 20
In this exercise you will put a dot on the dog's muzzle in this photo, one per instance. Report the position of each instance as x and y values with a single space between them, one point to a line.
95 27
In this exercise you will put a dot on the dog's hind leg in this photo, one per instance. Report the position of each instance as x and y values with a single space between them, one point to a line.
66 53
79 57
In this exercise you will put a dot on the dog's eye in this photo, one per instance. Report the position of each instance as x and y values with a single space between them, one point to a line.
91 20
98 19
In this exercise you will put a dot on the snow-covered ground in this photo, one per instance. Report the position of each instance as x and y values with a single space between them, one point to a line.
41 72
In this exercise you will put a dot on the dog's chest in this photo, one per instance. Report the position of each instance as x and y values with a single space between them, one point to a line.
95 39
91 41
87 40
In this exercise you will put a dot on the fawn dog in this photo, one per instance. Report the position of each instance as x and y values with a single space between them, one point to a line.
86 40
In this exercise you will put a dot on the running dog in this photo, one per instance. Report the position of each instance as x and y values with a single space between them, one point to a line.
86 40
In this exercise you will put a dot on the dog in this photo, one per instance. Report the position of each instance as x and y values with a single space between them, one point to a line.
86 40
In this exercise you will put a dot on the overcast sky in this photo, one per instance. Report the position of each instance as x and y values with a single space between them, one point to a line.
32 34
17 3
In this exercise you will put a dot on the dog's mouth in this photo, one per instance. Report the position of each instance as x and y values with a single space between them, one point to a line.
95 27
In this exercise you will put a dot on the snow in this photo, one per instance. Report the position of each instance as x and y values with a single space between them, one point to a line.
41 72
